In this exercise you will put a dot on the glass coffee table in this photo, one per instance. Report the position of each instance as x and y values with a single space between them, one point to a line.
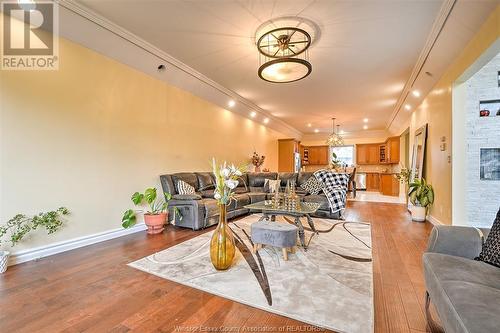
304 209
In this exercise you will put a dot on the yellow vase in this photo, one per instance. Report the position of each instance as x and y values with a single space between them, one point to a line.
222 243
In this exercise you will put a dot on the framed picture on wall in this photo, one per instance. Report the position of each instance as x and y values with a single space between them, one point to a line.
489 164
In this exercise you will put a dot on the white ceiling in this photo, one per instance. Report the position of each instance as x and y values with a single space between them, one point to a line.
361 61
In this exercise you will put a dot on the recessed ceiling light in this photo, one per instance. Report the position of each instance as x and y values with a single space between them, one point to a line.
253 114
408 107
266 120
231 103
309 125
365 120
365 127
416 93
316 130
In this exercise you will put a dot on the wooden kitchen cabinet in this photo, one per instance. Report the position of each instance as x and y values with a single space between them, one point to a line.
393 150
373 154
372 181
361 154
389 185
317 155
367 154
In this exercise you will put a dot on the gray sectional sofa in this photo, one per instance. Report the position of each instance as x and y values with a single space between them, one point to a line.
202 211
465 292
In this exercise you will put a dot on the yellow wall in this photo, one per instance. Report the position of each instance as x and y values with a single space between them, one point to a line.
90 134
436 111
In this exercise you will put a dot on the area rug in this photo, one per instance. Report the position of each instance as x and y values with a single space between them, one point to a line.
329 285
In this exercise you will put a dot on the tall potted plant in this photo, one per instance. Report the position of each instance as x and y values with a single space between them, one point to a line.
156 217
222 243
422 197
20 225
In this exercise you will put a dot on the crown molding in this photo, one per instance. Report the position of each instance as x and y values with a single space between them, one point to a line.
437 27
88 14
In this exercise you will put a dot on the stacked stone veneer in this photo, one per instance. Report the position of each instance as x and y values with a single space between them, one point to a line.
482 196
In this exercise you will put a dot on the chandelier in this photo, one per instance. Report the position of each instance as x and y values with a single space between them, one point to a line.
284 55
335 140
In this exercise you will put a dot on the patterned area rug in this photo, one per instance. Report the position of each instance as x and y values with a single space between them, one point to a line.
329 285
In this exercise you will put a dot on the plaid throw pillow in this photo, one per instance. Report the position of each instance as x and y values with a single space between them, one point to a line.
184 188
312 186
490 253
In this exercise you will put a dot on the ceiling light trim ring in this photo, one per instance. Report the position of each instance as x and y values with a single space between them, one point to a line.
284 60
308 42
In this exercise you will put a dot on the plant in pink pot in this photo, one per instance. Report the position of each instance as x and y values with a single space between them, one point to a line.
156 217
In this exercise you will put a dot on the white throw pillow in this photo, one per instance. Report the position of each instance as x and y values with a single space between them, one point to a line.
270 185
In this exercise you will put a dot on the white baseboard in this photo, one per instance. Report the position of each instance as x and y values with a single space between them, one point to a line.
433 220
45 251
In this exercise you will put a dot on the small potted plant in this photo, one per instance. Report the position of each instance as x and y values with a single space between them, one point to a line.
20 225
422 197
156 217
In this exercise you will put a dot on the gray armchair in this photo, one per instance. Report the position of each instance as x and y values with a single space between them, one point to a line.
465 292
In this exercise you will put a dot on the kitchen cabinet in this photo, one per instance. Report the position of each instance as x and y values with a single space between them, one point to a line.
372 181
389 185
378 153
367 154
361 154
393 150
315 155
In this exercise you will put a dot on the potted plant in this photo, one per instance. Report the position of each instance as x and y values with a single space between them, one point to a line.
20 225
422 197
156 217
336 163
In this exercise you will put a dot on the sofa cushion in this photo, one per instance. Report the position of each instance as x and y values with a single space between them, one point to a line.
243 182
318 198
302 177
186 196
490 252
256 179
256 197
207 193
211 207
187 177
466 293
241 200
286 177
206 181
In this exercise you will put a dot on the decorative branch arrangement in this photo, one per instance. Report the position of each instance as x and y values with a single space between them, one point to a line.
257 160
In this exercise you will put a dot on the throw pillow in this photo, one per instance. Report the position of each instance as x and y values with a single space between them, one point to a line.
185 188
490 253
312 186
270 185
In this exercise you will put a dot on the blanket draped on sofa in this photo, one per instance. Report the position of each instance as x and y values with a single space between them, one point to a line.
335 187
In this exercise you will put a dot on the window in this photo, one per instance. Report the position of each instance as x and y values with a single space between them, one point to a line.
344 153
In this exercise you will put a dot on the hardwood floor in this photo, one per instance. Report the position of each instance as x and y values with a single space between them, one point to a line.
91 289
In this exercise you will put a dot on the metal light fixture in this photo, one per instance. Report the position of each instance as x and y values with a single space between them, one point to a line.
335 140
284 55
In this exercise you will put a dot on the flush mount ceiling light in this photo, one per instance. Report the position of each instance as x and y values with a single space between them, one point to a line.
284 55
335 140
